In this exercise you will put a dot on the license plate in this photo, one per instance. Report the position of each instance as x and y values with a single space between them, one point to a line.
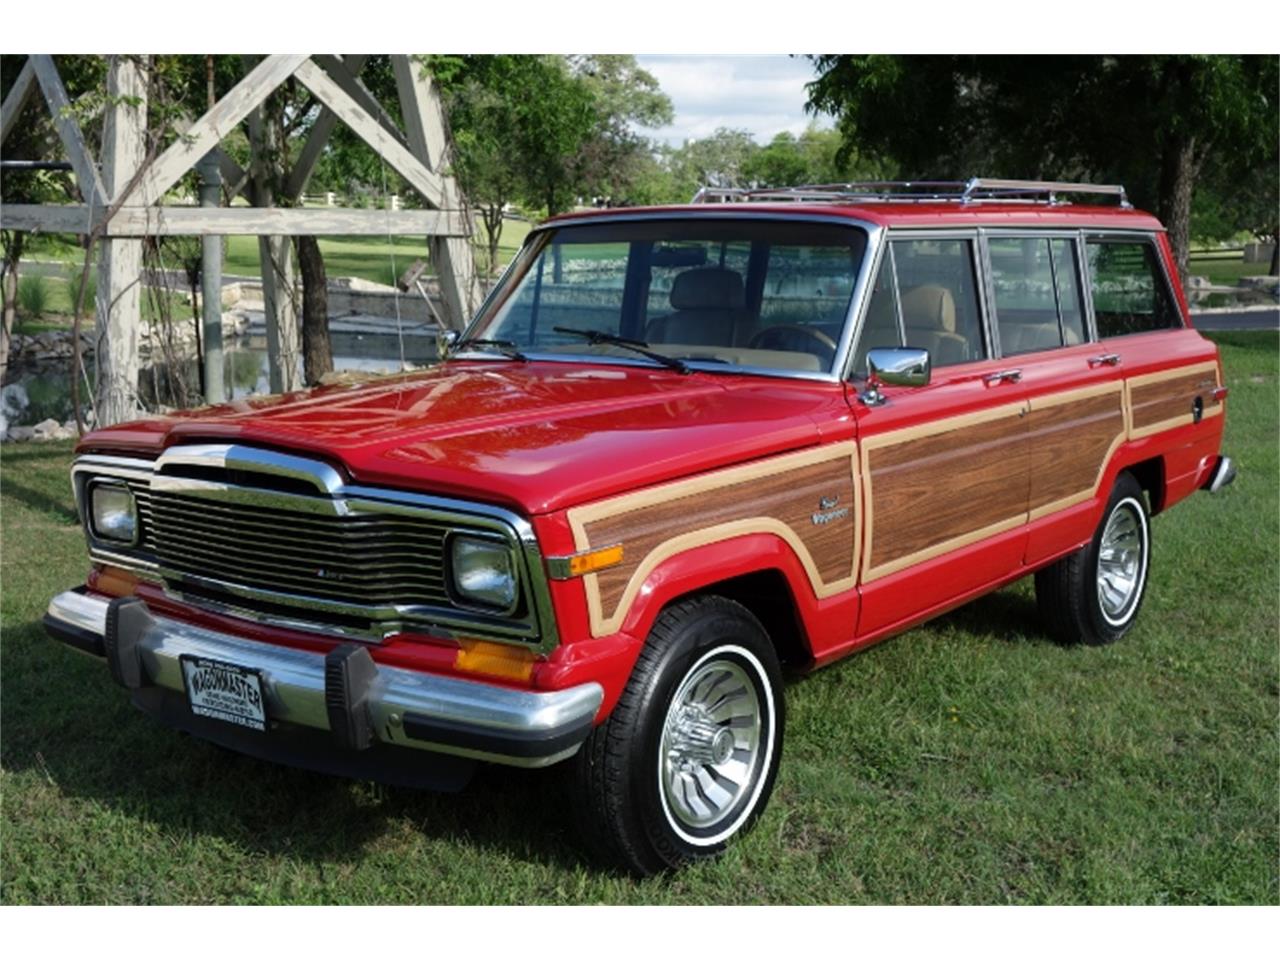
224 691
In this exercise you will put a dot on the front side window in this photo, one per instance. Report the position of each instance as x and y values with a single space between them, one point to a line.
727 292
1037 298
926 296
1129 291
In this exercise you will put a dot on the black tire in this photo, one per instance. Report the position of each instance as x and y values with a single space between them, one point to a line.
1069 591
621 775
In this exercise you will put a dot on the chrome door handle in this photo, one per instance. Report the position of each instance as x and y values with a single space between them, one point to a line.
1106 359
1013 376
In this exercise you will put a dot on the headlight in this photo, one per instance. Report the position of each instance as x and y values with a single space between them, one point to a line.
483 572
112 513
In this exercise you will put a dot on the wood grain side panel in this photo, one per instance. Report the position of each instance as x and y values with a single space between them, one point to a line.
964 480
778 496
1161 401
1072 437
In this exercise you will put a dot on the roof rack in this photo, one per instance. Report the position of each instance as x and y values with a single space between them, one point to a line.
916 191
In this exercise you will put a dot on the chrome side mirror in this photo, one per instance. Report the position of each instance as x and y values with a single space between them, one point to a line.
894 367
445 341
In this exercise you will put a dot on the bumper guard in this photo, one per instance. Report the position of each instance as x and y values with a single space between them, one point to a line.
359 703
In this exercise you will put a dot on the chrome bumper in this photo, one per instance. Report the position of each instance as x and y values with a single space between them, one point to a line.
358 702
1224 472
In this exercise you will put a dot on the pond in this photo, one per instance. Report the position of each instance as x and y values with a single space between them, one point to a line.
43 391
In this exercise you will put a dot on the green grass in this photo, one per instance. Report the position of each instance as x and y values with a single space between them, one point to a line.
968 761
1226 272
369 258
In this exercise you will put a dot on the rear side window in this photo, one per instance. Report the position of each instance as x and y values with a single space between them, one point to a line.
1037 298
1130 294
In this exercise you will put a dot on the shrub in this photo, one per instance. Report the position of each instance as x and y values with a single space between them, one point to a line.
33 296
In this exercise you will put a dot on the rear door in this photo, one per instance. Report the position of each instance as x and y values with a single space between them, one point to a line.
1075 390
944 467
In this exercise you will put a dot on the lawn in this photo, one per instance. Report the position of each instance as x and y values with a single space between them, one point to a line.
969 761
379 259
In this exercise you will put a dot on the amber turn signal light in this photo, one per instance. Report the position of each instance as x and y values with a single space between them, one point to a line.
494 659
580 564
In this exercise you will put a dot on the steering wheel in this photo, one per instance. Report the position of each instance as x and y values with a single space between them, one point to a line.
775 338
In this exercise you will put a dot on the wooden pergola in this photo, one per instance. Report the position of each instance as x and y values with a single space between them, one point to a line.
124 200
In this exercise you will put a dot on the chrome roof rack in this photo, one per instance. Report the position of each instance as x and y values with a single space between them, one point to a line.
916 191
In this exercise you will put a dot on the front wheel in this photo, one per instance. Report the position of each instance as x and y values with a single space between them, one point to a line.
687 759
1093 595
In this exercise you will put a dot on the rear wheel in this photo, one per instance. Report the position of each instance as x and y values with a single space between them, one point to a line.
1093 595
687 759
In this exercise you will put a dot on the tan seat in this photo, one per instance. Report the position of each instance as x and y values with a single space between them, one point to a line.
929 316
709 307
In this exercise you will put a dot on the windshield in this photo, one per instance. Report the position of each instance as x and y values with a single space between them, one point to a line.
728 293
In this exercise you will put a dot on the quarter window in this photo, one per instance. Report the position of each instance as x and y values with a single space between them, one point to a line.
1037 298
1130 294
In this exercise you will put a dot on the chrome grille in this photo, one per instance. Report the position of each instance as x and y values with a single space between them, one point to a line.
361 559
141 490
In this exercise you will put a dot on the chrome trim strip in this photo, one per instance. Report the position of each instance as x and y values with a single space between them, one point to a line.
294 687
537 631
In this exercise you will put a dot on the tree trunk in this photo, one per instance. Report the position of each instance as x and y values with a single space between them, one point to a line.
1274 271
317 354
12 257
1177 180
491 216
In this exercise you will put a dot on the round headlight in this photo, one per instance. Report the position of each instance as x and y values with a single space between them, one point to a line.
483 572
113 515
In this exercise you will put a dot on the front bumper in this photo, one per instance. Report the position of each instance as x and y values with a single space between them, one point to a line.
359 705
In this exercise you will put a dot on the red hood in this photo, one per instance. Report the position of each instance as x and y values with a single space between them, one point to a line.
537 436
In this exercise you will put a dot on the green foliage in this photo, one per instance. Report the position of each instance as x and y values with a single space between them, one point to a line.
33 296
1158 124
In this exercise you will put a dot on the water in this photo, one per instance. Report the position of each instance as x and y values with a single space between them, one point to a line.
43 392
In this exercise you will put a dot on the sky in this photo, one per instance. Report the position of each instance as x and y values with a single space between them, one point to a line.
763 94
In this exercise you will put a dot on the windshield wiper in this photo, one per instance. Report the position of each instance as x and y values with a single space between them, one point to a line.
636 346
507 348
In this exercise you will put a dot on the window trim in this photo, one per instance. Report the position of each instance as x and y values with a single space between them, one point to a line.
1131 236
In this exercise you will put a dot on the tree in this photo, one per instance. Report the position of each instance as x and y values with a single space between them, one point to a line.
624 96
1155 123
715 161
516 122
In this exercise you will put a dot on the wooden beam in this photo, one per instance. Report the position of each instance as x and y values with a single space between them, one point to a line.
328 92
424 122
138 221
118 309
317 139
82 162
17 98
217 122
345 73
421 108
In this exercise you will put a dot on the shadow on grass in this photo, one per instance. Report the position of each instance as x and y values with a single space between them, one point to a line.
64 720
54 507
1004 615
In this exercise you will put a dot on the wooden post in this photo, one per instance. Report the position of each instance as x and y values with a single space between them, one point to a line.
424 124
117 318
276 256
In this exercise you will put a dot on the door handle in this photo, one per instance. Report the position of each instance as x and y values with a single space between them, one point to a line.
1013 376
1106 359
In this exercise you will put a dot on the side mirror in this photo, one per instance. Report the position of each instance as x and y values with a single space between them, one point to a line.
894 367
899 366
445 340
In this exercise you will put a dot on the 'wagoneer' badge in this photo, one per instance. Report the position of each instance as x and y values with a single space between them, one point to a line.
827 511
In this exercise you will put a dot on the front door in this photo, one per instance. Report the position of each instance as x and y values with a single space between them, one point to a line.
945 468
